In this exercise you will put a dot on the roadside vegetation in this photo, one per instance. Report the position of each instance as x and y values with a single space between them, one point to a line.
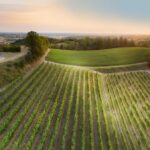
9 72
12 70
10 48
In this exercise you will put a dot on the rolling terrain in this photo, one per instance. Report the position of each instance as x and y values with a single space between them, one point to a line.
60 107
107 57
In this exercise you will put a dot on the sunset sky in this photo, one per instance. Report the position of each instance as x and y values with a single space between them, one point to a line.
76 16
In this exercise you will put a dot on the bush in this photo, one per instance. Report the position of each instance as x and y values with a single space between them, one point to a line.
149 61
10 48
38 44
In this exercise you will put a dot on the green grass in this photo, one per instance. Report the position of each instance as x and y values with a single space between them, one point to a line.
12 70
107 57
8 73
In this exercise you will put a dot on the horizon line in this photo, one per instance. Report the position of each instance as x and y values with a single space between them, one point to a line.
77 33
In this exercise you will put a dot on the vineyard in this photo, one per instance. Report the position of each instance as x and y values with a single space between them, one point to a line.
70 108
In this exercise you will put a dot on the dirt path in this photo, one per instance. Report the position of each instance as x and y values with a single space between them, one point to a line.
11 56
29 68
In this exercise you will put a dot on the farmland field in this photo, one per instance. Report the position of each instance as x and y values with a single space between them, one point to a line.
59 107
107 57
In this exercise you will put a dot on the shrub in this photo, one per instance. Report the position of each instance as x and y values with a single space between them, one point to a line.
38 44
149 61
10 48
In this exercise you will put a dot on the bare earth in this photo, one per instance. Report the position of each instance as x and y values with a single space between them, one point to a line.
8 56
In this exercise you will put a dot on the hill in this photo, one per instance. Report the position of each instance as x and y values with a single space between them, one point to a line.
107 57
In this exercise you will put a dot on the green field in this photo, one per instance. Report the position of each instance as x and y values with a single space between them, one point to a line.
108 57
59 107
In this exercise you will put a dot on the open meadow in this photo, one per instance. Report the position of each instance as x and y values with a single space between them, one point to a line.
106 57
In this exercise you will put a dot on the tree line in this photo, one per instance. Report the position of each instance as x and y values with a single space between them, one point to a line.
78 43
88 43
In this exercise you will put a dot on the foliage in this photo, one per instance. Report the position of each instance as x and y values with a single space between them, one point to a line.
9 72
20 42
10 48
88 43
149 61
38 44
145 43
12 70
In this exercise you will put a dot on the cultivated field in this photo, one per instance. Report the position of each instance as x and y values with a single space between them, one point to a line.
59 107
107 57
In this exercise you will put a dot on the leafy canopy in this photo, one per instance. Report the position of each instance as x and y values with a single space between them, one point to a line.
38 44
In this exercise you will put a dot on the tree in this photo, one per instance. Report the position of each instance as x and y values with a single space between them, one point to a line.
38 44
148 59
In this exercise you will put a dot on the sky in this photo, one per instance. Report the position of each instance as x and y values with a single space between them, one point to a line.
76 16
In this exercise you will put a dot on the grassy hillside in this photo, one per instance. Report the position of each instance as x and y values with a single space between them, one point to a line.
9 71
109 57
59 107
